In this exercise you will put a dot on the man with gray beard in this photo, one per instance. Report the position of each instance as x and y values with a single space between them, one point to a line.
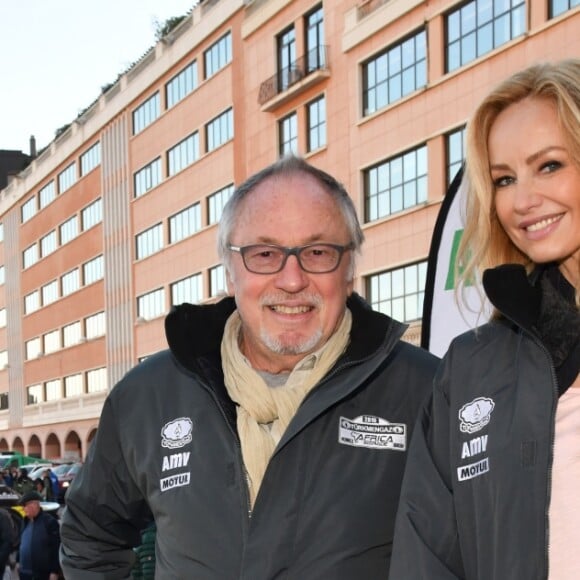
269 440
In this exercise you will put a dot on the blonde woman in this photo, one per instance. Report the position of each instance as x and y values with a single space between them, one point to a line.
491 487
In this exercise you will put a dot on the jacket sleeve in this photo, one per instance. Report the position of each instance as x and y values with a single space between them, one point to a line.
105 509
426 543
53 542
5 540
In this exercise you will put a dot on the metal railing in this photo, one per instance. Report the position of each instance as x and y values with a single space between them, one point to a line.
314 60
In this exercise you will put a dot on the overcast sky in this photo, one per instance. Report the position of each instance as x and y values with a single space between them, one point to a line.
55 55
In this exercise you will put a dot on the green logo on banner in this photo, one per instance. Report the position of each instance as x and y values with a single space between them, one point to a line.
450 282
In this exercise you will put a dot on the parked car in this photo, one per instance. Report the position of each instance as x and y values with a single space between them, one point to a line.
38 471
65 480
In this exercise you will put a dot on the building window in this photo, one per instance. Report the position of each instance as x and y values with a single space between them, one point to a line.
51 341
28 209
455 153
49 292
151 305
30 256
69 230
97 380
53 390
480 26
183 154
34 395
147 177
181 85
95 325
316 119
217 281
32 302
2 317
146 113
33 348
93 270
399 293
67 178
48 244
47 194
149 242
73 386
91 158
395 73
218 55
71 334
185 223
315 40
288 130
2 275
396 184
219 130
92 214
558 7
187 290
70 282
216 202
286 59
3 359
4 401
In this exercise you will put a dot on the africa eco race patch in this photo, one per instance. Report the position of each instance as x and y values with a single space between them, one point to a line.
177 480
373 433
473 469
176 433
475 415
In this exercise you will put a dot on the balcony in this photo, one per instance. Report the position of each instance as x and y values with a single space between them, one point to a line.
300 75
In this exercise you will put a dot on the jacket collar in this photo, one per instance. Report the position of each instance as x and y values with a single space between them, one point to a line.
514 294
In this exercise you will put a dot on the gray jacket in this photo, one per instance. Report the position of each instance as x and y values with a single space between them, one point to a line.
476 492
167 446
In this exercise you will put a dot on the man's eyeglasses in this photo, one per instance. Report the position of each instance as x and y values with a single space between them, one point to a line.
270 259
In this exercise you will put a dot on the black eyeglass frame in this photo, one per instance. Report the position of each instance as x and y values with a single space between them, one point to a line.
295 251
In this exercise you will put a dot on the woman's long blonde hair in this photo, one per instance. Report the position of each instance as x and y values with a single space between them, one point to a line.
484 243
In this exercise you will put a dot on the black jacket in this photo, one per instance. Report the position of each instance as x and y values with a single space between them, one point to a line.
167 443
39 544
6 538
476 492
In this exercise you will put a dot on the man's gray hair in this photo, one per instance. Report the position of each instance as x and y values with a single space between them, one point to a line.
287 166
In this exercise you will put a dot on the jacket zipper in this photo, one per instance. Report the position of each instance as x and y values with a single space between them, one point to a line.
238 445
540 344
551 459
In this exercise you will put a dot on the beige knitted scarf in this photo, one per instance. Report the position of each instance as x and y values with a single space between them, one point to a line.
264 412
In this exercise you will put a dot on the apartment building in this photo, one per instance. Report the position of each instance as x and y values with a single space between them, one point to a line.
115 221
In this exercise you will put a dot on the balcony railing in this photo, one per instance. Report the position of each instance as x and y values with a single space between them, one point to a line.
315 60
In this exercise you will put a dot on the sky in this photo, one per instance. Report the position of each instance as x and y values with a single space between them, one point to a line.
55 55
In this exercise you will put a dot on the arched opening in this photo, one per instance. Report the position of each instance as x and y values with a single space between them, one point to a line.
18 445
34 447
4 445
52 447
92 435
72 447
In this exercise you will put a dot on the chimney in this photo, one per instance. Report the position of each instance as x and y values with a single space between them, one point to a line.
32 147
